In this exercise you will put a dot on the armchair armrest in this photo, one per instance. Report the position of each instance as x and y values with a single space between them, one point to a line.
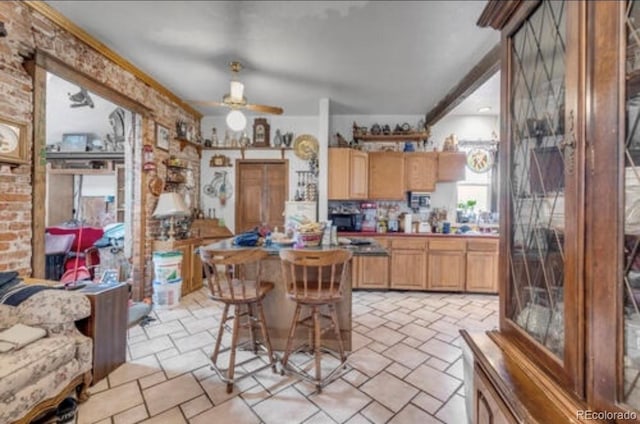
53 307
8 316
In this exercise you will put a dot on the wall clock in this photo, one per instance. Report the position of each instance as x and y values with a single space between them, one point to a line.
13 145
260 132
480 160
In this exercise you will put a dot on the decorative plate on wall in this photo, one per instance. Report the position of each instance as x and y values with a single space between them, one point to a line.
305 146
480 160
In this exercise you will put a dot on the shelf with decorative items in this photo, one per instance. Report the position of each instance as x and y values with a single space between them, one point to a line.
242 150
185 142
400 134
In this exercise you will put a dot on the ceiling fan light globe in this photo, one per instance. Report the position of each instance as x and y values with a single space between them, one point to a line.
236 120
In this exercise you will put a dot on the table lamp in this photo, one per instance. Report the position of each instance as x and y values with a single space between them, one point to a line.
170 205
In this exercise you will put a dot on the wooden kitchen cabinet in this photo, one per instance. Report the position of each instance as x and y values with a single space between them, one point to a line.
451 166
447 264
408 264
482 266
386 176
348 174
371 272
421 171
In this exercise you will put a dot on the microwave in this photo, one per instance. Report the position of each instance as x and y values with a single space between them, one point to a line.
347 221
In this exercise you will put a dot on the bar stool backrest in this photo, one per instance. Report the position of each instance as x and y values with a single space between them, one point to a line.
314 275
227 276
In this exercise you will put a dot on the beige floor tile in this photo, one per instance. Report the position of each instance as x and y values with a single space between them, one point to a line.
172 314
287 404
358 341
320 418
458 301
389 391
203 372
456 370
109 402
196 326
392 325
454 411
358 419
441 350
370 321
434 382
410 341
368 362
417 332
405 355
131 416
426 315
167 353
412 415
399 317
148 347
445 327
105 421
377 347
134 370
385 336
438 364
384 306
426 402
100 386
195 341
340 400
358 309
172 416
398 370
196 406
447 338
355 378
163 329
137 339
171 393
409 304
178 335
152 380
217 390
185 362
376 413
274 382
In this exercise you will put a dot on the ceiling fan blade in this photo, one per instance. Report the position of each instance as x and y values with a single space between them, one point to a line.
274 110
206 103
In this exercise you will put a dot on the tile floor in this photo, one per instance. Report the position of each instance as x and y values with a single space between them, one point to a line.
406 360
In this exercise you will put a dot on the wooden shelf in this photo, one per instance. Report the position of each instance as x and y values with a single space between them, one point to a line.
85 155
184 143
395 138
242 150
81 171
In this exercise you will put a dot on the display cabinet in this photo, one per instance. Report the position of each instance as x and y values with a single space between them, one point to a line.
568 342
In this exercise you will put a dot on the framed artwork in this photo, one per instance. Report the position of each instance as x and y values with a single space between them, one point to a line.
162 137
13 143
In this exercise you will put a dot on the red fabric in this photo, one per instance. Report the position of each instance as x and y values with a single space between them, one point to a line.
89 236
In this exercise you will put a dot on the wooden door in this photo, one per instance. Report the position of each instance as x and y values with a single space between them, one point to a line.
261 190
421 170
386 175
451 166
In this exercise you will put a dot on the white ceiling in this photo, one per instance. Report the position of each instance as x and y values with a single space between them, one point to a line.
367 57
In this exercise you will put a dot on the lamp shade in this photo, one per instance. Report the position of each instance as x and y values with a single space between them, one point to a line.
170 204
236 120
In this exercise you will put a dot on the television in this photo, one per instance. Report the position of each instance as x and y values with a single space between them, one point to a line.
75 142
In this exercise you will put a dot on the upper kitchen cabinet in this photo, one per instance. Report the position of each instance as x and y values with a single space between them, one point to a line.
451 166
348 172
386 176
421 170
570 233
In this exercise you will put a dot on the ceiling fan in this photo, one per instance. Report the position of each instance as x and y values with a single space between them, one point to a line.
235 100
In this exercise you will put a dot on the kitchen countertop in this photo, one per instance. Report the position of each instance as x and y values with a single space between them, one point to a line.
399 234
372 249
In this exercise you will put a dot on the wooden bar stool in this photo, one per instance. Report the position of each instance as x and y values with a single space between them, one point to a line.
314 279
226 274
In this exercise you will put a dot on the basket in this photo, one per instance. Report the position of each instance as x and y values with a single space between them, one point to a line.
310 239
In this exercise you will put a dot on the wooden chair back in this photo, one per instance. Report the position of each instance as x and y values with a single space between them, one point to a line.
227 273
314 275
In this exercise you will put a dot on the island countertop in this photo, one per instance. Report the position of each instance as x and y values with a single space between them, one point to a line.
372 249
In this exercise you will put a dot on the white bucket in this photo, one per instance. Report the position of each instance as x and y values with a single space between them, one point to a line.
166 295
167 266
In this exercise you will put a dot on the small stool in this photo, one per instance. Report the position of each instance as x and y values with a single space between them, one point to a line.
225 272
303 273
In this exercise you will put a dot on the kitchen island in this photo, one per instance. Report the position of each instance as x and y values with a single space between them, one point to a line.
279 309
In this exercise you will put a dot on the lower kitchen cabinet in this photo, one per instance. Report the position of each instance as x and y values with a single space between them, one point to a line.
447 263
371 272
408 264
482 266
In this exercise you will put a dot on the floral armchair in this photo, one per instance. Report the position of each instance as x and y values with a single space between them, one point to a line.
40 375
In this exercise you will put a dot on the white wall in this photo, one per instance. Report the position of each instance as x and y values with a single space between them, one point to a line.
99 185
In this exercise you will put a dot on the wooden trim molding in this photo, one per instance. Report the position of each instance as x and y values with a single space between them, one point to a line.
480 73
62 21
497 12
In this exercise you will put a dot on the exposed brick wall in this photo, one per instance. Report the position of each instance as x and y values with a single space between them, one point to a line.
28 30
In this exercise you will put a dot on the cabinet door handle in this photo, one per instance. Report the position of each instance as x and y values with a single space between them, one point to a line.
568 145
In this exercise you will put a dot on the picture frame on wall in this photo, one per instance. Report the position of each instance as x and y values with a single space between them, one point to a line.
162 137
13 143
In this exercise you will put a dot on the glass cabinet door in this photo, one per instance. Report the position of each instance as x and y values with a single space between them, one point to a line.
540 184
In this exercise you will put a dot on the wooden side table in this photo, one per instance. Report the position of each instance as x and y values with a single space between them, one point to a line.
107 326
